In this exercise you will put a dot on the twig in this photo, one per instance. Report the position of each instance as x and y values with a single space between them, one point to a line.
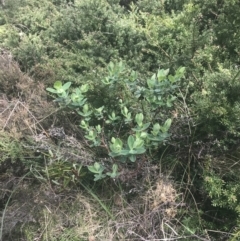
10 114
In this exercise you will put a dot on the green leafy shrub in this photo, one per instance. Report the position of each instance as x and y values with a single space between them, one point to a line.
78 42
217 106
127 127
224 194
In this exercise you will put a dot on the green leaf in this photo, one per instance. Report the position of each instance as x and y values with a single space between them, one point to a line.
85 108
75 97
144 127
92 169
116 145
113 117
143 135
114 172
124 152
52 90
84 88
96 168
133 76
113 140
125 111
100 109
121 153
158 138
137 151
57 85
181 70
110 67
99 129
139 119
138 143
84 114
166 125
114 154
130 142
162 74
151 82
99 177
132 158
66 86
84 125
106 81
172 79
128 118
92 134
156 129
115 168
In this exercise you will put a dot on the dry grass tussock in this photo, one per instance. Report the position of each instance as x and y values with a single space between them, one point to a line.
23 102
78 215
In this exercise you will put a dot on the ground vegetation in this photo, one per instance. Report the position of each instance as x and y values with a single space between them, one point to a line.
119 120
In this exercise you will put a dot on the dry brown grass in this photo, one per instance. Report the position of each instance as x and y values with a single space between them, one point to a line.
76 215
23 102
